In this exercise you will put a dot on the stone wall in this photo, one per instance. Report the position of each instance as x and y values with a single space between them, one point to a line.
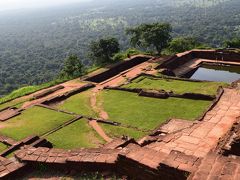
182 58
118 68
59 98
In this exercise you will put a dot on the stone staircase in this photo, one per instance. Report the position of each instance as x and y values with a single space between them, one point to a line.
215 166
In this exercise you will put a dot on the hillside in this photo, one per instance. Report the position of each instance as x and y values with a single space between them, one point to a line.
33 44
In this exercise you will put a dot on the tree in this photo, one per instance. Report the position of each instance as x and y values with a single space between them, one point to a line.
147 35
103 50
234 43
182 44
73 67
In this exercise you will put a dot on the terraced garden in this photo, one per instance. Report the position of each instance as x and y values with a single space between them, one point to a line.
108 113
147 113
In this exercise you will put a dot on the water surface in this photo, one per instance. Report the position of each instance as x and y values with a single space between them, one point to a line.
217 73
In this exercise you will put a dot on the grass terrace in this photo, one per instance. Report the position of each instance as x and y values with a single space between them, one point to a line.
79 104
3 147
33 121
148 113
76 135
118 131
177 86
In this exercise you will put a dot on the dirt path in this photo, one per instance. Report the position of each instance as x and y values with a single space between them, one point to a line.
93 101
99 130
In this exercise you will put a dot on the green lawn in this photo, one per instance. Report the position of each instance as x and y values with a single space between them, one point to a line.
148 113
118 132
3 147
176 86
33 121
79 104
76 135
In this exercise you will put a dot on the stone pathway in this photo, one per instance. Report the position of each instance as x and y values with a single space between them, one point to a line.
8 114
204 136
216 166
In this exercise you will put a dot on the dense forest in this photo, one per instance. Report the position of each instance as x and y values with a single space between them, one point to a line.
34 43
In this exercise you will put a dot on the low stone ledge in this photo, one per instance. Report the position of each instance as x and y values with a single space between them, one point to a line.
68 94
47 92
154 94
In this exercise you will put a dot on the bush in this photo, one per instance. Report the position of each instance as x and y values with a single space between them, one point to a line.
126 54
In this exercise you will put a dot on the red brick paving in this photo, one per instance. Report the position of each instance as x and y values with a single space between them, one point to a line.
8 113
63 156
8 166
215 166
203 136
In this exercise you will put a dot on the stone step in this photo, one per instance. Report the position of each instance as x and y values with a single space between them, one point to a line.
215 166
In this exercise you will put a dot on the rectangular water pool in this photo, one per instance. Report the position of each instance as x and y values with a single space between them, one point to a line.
219 73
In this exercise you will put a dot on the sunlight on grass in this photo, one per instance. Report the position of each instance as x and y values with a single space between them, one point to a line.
148 113
118 132
79 104
3 147
176 86
76 135
33 121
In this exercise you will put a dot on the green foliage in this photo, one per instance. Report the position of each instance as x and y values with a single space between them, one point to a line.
72 68
33 45
147 35
234 43
126 54
182 44
103 50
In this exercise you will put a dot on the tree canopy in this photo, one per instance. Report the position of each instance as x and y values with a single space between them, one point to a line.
234 43
103 50
157 35
73 67
182 44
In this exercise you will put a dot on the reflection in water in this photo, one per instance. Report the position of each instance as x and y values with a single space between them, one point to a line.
217 73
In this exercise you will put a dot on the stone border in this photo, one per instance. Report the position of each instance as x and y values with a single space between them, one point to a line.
61 126
27 141
118 68
162 94
47 92
64 96
220 92
182 58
